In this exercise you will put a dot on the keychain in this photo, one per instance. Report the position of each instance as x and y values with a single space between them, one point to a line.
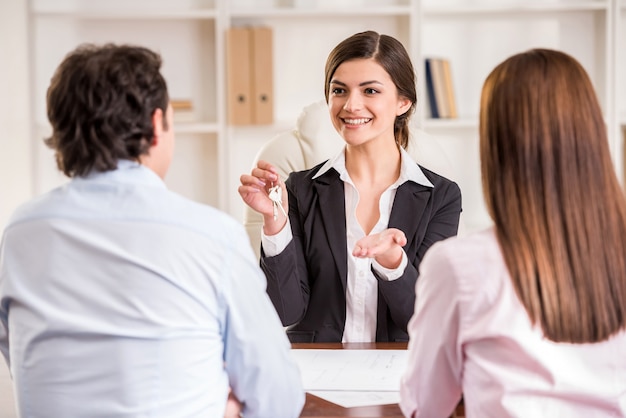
276 196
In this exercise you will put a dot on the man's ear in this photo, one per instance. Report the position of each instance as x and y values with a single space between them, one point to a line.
157 126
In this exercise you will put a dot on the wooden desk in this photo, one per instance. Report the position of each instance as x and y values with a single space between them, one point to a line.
315 407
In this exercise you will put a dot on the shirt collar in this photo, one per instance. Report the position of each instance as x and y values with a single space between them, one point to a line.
409 170
127 171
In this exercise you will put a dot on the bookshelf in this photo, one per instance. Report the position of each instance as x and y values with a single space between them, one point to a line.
471 34
190 34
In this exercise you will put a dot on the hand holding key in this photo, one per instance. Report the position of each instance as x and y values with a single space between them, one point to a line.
265 193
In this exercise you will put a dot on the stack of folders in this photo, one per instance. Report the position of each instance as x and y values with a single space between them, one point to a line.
249 74
183 110
440 89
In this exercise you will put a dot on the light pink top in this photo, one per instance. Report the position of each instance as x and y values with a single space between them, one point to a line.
470 334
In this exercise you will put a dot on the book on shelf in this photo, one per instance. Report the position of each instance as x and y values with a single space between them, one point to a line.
183 110
430 88
249 67
439 88
449 88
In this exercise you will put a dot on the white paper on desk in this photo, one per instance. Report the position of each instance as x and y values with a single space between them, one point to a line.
351 370
349 399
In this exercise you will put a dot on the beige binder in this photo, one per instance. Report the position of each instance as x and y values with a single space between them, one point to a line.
262 75
238 75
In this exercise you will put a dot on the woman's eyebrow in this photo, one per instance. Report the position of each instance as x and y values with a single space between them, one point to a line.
365 83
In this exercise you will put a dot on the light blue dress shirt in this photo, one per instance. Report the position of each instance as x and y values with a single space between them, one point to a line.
120 298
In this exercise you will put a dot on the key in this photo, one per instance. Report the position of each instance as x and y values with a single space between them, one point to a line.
276 196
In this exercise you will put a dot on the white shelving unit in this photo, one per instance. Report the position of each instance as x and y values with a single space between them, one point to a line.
190 34
477 35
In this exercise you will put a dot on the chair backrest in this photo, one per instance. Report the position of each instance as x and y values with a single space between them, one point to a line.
315 140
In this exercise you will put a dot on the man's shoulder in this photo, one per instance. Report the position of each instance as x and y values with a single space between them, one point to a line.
198 215
132 205
34 208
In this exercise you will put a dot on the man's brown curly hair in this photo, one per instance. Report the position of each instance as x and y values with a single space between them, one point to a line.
100 104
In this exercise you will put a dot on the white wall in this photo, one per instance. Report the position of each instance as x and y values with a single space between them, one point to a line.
15 141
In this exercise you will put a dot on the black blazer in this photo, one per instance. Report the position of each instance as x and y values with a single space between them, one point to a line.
307 281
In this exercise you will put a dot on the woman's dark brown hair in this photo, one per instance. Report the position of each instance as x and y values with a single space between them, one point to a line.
551 189
392 56
100 104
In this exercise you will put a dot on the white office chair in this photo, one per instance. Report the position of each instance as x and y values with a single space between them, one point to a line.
314 140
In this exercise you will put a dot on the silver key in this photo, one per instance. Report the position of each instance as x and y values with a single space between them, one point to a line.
276 196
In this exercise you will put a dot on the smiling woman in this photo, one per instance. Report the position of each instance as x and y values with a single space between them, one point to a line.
361 100
342 266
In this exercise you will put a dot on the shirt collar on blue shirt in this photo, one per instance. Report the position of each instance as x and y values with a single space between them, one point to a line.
409 170
127 172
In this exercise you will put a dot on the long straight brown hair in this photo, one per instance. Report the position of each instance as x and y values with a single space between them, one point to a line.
551 189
